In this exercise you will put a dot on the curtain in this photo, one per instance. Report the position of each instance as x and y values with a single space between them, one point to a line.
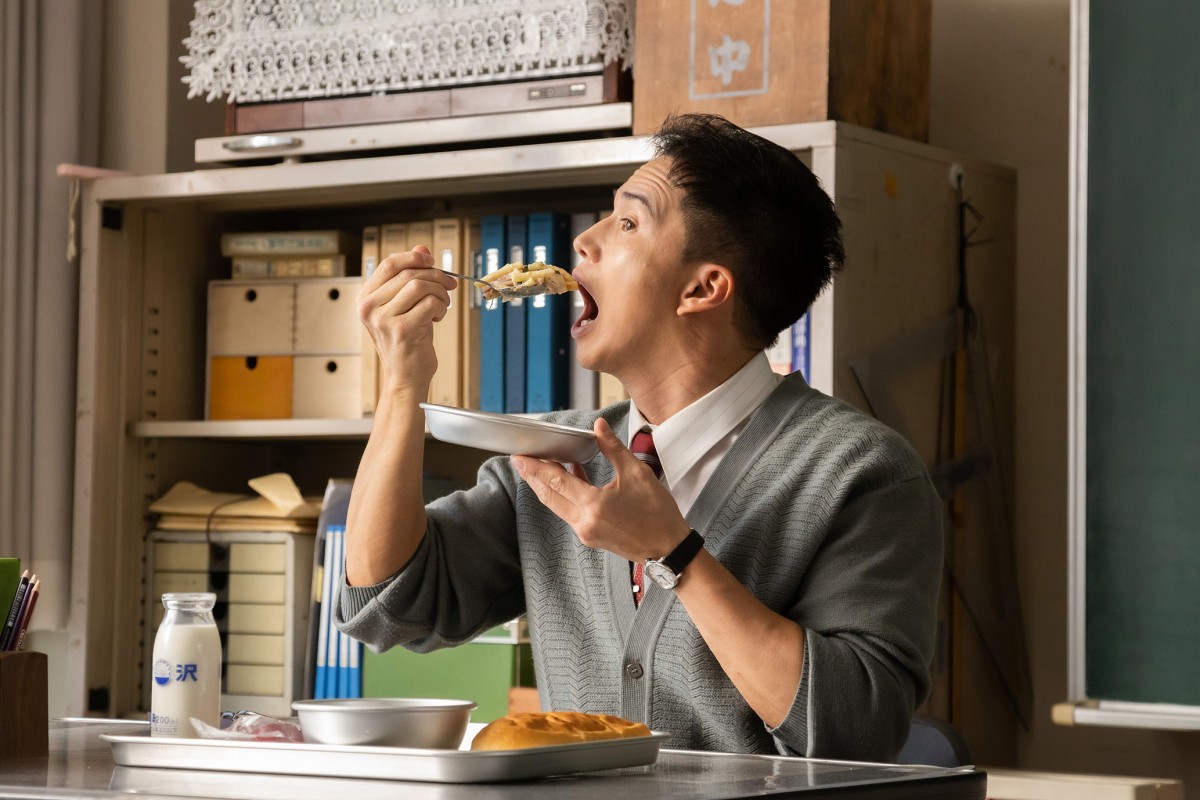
50 57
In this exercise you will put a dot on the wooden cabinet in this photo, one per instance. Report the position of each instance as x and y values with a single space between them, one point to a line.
151 244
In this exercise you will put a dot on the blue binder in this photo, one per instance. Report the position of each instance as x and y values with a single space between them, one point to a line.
801 330
492 342
515 329
548 338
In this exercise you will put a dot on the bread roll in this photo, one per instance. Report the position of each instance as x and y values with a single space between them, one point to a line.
542 728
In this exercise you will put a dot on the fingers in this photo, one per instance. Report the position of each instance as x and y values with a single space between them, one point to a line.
612 447
396 264
393 264
559 490
406 283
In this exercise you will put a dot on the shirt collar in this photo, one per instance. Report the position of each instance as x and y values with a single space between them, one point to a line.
683 439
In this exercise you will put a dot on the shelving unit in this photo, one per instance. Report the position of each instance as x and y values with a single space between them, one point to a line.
150 244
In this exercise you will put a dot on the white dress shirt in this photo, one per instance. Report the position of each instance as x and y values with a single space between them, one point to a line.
691 443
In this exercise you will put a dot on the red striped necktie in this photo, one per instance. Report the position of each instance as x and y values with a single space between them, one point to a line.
643 450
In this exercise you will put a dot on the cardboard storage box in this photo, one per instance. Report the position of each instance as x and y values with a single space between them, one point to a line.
250 387
327 387
762 63
327 317
248 318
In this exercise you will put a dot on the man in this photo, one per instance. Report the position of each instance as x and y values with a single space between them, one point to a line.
801 539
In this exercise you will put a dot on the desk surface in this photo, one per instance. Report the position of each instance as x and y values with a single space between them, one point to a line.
80 764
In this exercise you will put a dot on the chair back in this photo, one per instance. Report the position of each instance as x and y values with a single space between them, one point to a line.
934 743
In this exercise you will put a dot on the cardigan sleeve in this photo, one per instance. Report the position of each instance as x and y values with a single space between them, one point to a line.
463 579
868 605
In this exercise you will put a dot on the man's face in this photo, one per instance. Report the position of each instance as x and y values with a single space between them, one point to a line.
631 274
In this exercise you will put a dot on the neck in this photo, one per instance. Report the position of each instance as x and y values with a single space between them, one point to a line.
663 389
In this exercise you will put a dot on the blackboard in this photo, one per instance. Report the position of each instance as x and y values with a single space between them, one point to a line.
1142 275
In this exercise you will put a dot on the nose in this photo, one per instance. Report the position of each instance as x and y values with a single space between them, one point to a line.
587 244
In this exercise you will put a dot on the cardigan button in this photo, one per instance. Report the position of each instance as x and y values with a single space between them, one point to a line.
634 670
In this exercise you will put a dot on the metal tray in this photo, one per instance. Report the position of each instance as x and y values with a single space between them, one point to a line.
504 433
382 763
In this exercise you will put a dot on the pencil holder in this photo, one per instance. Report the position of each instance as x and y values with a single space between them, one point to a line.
24 705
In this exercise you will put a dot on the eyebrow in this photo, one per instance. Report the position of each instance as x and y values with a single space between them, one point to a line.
641 198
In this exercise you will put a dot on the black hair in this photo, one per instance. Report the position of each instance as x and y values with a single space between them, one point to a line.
754 207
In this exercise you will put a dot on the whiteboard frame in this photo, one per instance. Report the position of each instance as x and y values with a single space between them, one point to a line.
1115 713
1077 356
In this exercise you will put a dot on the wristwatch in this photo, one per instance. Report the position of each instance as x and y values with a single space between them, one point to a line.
665 571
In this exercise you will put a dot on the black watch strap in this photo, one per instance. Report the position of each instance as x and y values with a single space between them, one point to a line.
682 555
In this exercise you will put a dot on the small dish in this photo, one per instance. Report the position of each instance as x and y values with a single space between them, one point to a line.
385 721
504 433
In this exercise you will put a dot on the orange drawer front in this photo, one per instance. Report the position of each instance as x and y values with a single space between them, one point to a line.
250 387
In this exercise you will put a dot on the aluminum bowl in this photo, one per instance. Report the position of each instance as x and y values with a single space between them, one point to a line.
385 721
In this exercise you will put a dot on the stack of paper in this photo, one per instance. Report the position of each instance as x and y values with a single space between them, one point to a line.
278 506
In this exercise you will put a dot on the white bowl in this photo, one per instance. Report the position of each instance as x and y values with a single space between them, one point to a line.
504 433
386 721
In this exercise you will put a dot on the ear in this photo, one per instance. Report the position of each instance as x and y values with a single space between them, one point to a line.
709 288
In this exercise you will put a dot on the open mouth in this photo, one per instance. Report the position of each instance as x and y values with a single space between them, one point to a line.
590 310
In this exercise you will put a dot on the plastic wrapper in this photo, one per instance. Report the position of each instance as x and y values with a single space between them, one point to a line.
248 726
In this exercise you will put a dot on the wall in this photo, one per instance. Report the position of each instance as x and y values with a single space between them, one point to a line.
134 127
1001 81
149 125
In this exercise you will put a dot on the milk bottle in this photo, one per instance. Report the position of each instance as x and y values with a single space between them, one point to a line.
186 666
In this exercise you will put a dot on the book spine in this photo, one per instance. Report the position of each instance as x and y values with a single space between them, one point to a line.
547 368
355 669
446 387
248 268
801 358
493 235
583 382
343 641
10 579
516 319
369 374
393 238
283 243
321 682
420 232
473 307
611 390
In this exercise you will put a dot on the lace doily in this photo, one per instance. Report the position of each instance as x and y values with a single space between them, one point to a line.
256 50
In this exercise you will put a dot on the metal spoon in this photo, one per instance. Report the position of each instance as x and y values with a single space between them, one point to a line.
503 291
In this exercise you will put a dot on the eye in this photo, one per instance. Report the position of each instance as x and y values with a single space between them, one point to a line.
626 224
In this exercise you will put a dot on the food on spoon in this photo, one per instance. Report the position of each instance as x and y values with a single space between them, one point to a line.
544 728
527 280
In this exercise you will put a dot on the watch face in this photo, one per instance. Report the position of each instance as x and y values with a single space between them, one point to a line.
661 574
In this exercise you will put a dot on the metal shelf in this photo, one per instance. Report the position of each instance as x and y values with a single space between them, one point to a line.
253 429
261 429
355 180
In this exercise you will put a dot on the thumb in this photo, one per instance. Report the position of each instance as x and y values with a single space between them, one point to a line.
611 445
422 249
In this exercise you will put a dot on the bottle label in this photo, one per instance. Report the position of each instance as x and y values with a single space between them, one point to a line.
162 672
163 725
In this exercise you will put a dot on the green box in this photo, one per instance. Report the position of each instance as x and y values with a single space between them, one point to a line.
483 672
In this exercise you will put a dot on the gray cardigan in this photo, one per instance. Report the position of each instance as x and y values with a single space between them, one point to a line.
825 514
